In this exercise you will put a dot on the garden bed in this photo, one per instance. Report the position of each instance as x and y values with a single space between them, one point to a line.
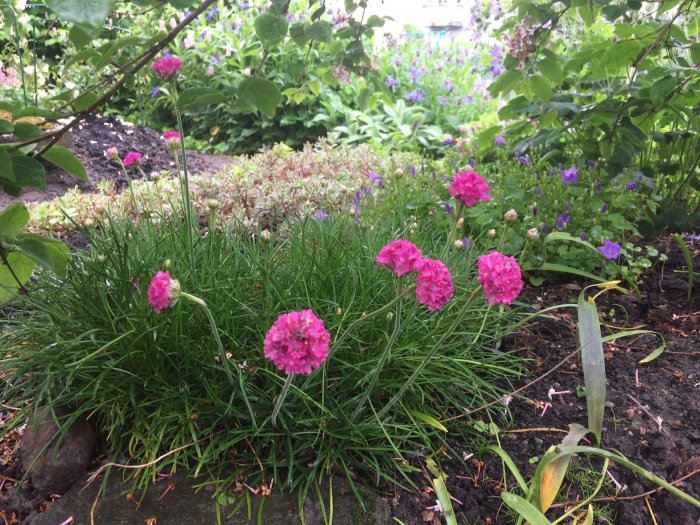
666 388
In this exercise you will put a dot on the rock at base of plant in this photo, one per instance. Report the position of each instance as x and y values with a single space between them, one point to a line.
56 463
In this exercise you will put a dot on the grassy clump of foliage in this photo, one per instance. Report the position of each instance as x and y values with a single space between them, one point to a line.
152 383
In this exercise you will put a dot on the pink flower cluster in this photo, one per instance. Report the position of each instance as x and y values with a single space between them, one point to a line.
401 256
163 291
167 68
500 277
434 286
132 158
297 342
469 188
8 77
171 136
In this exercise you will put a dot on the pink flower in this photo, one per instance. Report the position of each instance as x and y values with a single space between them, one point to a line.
297 342
163 291
112 153
500 277
167 68
132 158
469 187
400 255
172 139
434 284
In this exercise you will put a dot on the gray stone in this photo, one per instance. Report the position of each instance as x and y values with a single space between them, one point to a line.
182 505
56 463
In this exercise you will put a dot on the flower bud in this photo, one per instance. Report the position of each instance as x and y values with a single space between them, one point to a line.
398 173
88 223
491 234
533 234
459 244
460 223
112 153
389 316
167 264
510 216
100 259
338 311
411 232
265 236
213 204
414 226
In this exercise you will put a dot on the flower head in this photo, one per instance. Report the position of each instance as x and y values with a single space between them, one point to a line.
569 176
375 178
132 158
172 139
434 286
167 68
401 256
500 277
320 215
163 291
112 153
500 140
631 185
297 342
470 188
610 249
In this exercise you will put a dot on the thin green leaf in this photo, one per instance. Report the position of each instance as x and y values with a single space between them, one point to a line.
593 363
430 420
511 466
445 502
525 509
554 267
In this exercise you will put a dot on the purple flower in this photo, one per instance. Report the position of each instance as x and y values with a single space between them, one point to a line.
447 142
357 197
413 171
155 91
604 208
582 236
375 178
500 140
416 95
390 81
567 208
569 176
535 211
631 185
543 227
467 242
591 164
320 215
525 161
444 101
448 208
610 250
562 220
538 191
598 186
212 14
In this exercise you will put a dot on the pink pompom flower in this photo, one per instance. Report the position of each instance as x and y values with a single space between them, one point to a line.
434 286
500 277
163 291
401 256
297 342
167 68
112 153
172 139
469 187
132 158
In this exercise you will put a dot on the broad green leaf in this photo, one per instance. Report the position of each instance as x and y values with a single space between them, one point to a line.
22 268
64 159
115 46
540 86
661 89
554 267
34 111
271 29
264 93
79 36
13 219
320 31
695 54
59 252
5 126
85 54
85 101
524 508
297 33
553 473
550 67
505 83
593 362
25 131
620 54
90 12
28 172
430 420
195 98
35 249
6 172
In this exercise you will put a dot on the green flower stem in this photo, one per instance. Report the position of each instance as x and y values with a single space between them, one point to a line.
435 349
280 398
131 184
385 354
185 181
357 321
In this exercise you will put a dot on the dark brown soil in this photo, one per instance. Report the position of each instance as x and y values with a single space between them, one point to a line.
666 388
93 137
